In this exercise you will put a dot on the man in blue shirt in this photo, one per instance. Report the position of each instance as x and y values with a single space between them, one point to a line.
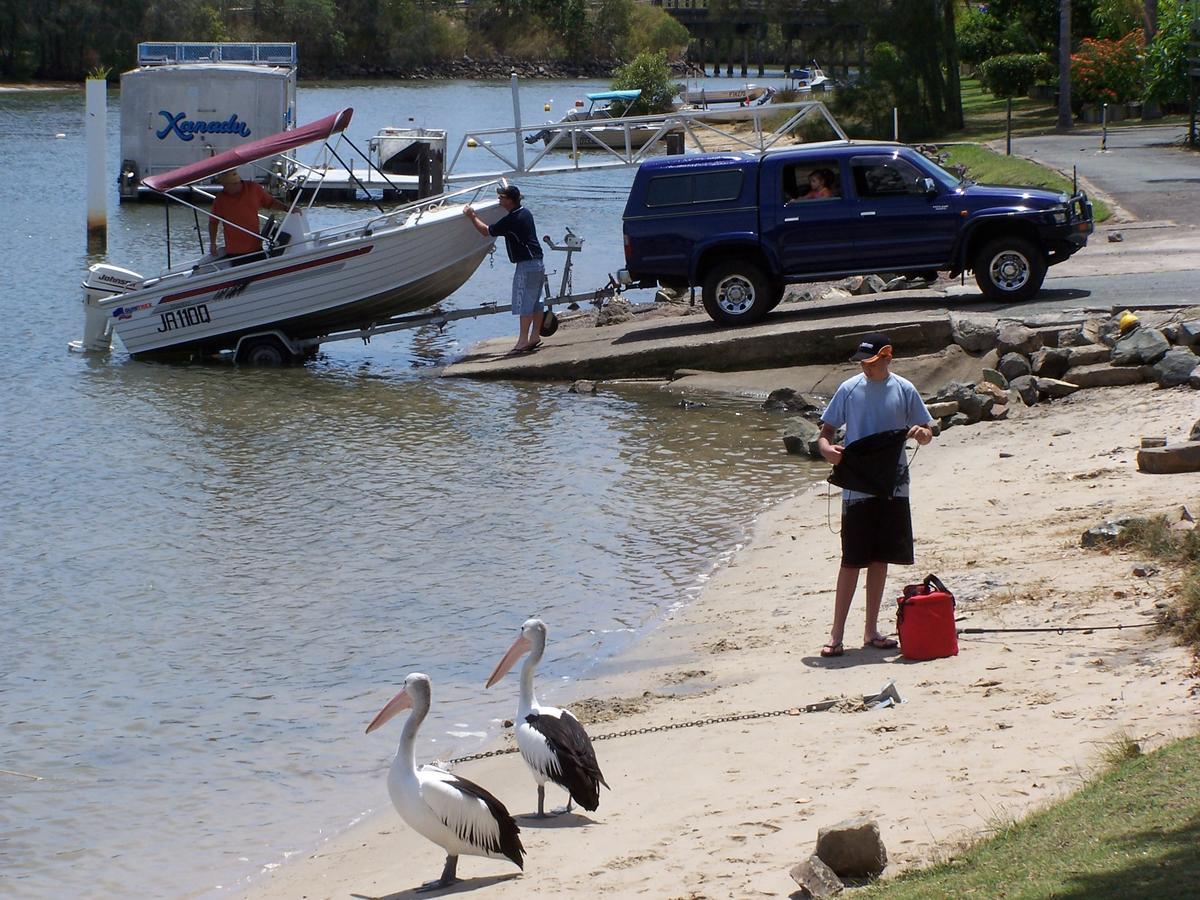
876 528
520 239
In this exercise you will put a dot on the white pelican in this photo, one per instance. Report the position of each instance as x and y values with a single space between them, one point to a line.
553 743
457 815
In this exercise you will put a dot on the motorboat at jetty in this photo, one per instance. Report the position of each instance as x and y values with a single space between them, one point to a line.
304 285
704 97
808 79
586 130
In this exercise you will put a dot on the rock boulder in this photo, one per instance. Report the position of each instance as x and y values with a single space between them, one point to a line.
1017 339
853 848
815 878
1140 346
1175 367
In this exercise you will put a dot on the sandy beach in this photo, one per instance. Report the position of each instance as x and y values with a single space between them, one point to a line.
1012 722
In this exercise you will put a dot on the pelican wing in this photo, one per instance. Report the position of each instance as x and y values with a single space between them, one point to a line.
579 772
472 813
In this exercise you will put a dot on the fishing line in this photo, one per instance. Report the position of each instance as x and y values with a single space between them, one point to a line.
1058 629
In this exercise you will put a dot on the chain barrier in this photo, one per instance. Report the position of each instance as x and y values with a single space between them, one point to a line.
652 729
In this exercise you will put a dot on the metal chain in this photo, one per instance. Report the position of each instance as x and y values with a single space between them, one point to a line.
651 729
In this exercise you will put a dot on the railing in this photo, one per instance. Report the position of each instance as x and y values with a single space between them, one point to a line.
636 138
161 53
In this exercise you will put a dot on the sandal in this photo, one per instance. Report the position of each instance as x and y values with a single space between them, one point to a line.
881 643
831 650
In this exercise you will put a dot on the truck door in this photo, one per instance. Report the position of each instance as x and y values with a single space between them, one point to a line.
806 216
905 220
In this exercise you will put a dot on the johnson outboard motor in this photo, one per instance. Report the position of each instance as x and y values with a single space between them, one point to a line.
103 282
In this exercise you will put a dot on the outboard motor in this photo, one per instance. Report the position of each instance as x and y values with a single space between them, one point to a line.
103 282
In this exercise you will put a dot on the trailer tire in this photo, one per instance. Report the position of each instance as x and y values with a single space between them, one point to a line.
737 292
263 351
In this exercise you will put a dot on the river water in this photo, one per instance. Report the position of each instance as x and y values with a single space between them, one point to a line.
212 578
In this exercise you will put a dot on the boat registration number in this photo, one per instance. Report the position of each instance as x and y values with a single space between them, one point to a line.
184 318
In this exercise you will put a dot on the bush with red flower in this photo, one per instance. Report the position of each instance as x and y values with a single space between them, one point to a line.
1106 71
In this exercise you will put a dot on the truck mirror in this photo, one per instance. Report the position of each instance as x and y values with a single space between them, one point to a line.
930 187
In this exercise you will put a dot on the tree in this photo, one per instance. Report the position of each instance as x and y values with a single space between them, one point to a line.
650 73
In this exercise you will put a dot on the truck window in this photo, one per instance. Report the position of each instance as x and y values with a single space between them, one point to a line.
814 179
703 187
874 178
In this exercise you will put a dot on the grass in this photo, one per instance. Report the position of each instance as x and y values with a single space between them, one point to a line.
986 167
1155 537
1131 833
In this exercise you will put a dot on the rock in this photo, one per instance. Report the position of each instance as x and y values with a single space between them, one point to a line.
1053 388
1014 365
1106 533
1050 362
1145 570
808 295
1171 333
790 401
1017 339
899 283
941 410
998 413
958 419
1194 434
1104 375
865 284
1175 368
800 438
1026 388
1110 331
987 389
1153 442
1194 378
1115 237
691 404
1088 354
991 376
582 386
666 295
853 848
970 403
1081 335
614 312
815 878
1188 333
1170 460
1142 345
973 335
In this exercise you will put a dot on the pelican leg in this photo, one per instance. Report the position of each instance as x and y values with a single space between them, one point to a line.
541 813
449 877
564 810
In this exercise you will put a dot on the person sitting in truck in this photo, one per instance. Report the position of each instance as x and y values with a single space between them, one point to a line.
820 185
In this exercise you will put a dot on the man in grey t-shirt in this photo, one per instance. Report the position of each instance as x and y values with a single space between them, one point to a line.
876 530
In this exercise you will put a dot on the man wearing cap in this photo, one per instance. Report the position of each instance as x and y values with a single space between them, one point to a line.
876 529
238 204
520 239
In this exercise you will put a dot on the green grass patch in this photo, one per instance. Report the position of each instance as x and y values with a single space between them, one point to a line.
988 167
1155 538
1132 833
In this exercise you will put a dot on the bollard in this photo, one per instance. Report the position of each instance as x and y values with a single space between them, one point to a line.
1103 127
96 127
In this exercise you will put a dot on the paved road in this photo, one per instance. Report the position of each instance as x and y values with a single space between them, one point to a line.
1146 168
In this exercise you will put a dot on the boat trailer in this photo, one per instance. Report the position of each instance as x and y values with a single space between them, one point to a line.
267 347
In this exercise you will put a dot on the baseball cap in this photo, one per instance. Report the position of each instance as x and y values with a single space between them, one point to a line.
870 345
511 191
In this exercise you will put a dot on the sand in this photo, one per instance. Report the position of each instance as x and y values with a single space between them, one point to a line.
1011 723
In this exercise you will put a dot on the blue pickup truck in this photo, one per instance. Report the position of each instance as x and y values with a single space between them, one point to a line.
742 226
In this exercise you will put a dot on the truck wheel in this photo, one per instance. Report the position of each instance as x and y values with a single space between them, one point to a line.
736 293
1009 269
263 351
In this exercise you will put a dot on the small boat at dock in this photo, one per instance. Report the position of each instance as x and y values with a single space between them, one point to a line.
704 97
582 129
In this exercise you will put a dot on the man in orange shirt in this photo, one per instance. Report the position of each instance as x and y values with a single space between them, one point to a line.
239 203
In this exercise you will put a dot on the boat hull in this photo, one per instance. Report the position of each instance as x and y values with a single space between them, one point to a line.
310 290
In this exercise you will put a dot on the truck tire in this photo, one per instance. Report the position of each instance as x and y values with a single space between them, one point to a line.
263 351
1009 269
737 292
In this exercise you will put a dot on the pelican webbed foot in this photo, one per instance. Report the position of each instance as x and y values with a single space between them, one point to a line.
449 877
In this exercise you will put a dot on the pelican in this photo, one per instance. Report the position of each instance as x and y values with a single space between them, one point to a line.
552 742
457 815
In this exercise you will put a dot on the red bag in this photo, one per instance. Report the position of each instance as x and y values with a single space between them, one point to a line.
925 621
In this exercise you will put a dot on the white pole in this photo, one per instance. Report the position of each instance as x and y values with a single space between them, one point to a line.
517 123
896 124
96 130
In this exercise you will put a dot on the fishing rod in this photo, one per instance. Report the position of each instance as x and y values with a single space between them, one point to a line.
1059 629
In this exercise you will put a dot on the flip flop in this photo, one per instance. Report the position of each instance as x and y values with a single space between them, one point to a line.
882 643
530 348
831 650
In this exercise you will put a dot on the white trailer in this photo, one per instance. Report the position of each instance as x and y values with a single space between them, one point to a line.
188 101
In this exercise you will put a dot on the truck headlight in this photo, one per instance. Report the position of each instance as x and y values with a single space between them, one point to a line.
1059 215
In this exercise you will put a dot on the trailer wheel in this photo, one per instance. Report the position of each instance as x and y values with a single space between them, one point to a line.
736 292
263 351
1009 269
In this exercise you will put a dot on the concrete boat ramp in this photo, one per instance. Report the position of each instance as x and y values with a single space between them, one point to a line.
691 349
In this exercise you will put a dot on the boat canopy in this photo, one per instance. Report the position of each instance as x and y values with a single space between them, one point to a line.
251 152
616 95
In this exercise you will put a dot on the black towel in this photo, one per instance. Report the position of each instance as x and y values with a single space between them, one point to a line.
871 465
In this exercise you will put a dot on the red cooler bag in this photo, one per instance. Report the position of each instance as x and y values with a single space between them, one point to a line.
925 621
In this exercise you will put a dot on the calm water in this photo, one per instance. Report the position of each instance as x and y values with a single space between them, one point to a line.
212 578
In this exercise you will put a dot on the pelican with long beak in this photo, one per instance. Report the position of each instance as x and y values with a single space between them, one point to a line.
552 742
457 815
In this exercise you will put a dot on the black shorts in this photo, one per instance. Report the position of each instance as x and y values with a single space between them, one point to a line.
877 529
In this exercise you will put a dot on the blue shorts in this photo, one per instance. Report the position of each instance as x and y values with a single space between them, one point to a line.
527 287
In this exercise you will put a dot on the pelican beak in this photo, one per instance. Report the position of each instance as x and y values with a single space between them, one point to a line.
520 646
397 704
